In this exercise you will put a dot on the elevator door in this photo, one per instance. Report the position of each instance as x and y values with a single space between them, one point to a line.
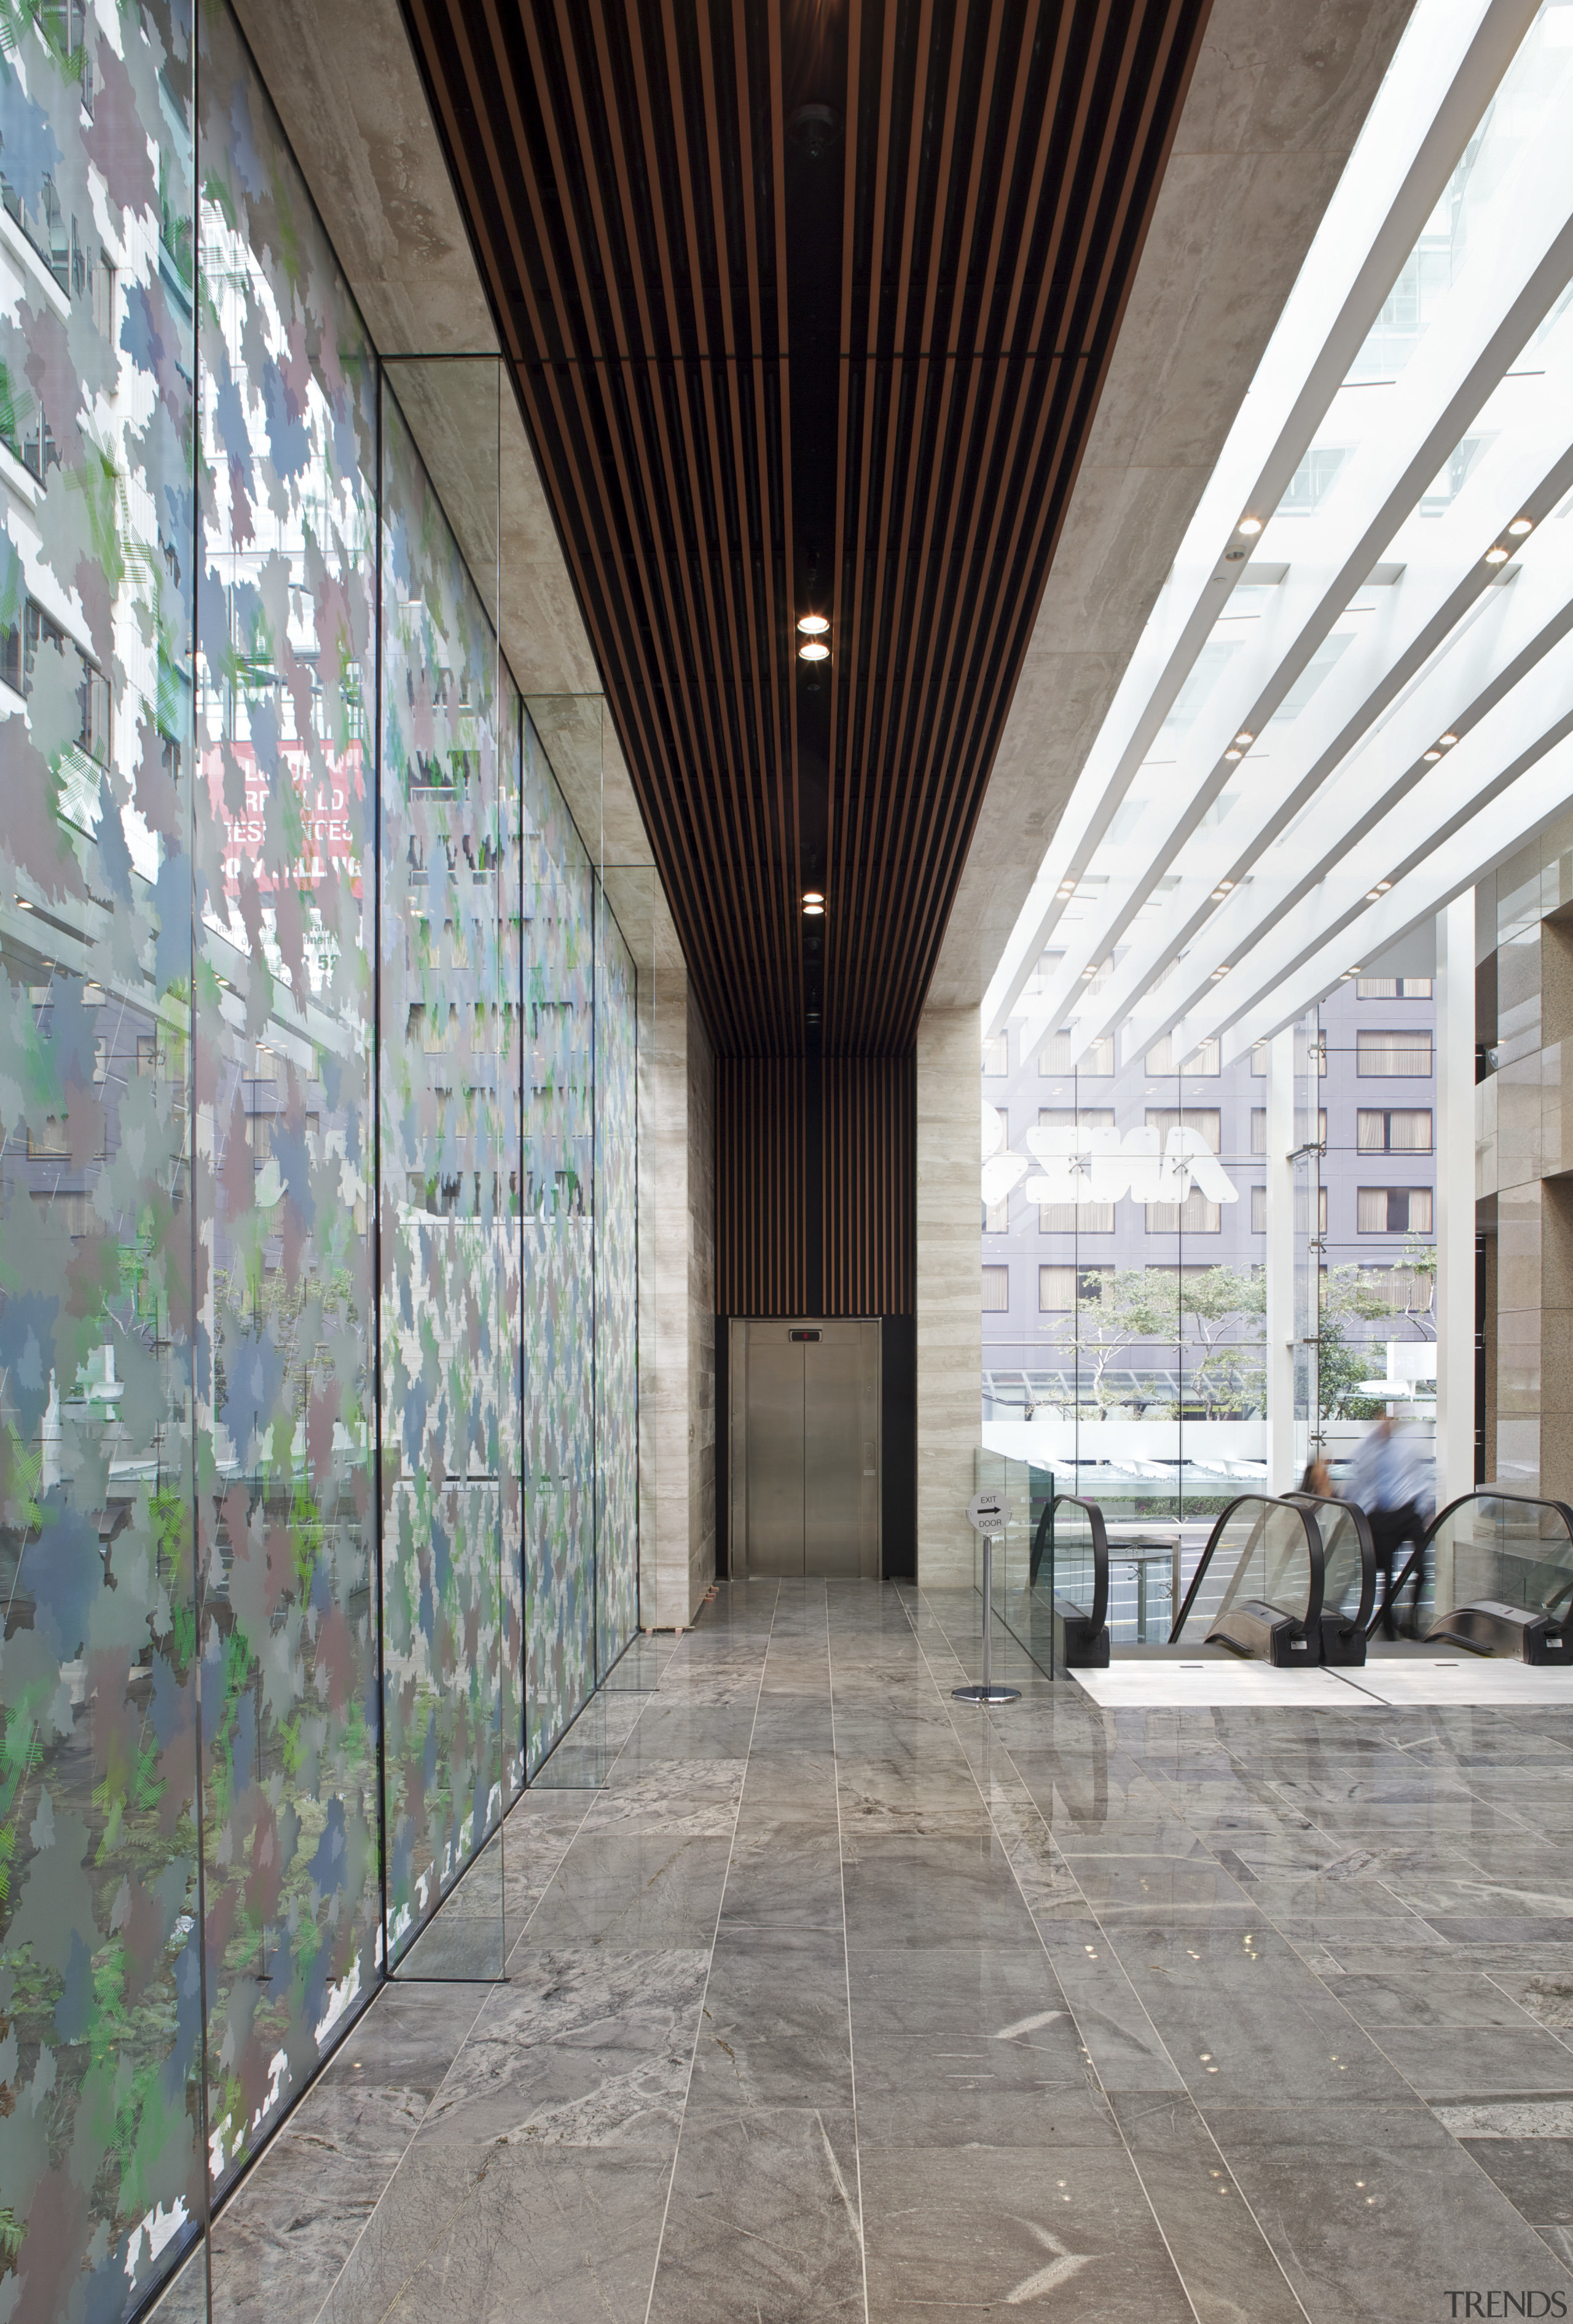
805 1447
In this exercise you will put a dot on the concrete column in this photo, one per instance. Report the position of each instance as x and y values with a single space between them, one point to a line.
1455 1219
950 1291
679 1215
1282 1466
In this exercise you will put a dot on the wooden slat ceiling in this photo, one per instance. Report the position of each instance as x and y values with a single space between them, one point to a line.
809 303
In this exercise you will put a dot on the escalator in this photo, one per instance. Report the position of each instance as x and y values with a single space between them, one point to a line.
1072 1536
1503 1562
1286 1581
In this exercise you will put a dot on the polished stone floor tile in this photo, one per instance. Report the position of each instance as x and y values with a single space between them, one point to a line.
1226 2266
765 2220
1377 2212
830 1997
1056 2229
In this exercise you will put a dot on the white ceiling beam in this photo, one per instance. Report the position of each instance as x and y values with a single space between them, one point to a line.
1449 62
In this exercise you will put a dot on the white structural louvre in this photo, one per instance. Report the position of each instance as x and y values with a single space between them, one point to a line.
1202 887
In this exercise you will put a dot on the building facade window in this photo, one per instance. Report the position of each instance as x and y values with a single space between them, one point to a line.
1061 1288
1258 1210
1393 1054
1194 1215
1393 988
996 1290
1393 1210
1393 1129
996 1054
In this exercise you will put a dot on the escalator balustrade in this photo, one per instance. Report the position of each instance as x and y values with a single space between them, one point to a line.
1287 1582
1505 1563
1071 1534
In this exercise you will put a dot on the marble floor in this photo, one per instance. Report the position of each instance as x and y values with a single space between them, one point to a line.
840 1999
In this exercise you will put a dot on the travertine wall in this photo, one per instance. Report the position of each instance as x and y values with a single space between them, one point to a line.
679 1216
950 1319
1524 1166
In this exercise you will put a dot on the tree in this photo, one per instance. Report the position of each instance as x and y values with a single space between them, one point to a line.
1343 1360
1224 1308
1128 1305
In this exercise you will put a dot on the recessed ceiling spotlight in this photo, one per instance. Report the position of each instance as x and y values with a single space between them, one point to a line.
1347 973
1067 887
1520 525
1250 526
812 896
814 650
1498 555
813 625
1446 740
1089 972
26 904
1221 890
814 912
1231 755
1432 755
1220 972
1374 895
1245 741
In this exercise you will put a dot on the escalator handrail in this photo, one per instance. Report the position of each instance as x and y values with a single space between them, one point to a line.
1099 1614
1357 1621
1313 1551
1415 1562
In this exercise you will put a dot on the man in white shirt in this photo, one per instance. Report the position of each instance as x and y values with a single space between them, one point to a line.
1388 1485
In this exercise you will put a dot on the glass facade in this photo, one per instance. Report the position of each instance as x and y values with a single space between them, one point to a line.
1124 1249
318 1460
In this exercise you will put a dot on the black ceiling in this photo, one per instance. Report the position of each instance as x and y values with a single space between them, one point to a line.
809 303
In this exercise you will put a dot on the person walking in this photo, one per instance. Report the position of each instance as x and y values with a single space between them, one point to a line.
1388 1486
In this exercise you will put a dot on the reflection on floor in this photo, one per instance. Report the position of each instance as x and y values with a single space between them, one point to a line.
840 1999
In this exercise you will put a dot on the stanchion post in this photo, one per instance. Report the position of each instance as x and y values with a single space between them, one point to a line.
987 1514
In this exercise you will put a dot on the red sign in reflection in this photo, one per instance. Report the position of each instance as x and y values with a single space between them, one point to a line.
327 817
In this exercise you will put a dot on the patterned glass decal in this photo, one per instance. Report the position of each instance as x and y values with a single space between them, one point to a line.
100 1993
558 1288
284 840
192 1332
444 1194
616 1294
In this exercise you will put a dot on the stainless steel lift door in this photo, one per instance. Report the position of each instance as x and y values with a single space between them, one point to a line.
805 1447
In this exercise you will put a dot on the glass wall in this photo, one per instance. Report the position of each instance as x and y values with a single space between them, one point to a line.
319 1479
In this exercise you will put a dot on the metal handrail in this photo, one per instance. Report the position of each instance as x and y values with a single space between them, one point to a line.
1098 1615
1313 1553
1367 1554
1415 1564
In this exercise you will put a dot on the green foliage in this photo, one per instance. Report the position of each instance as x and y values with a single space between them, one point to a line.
1212 1316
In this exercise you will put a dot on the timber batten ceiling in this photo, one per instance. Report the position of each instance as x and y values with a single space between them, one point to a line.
808 308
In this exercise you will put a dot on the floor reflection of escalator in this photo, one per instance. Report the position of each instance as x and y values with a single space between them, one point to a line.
1288 1581
1500 1565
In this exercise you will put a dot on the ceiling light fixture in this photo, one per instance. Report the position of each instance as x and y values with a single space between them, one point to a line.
1520 525
1067 887
1231 755
1220 972
1430 756
26 904
1245 741
1250 526
1221 890
1446 740
813 625
1347 974
814 650
1374 895
814 912
812 896
1498 555
1089 972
